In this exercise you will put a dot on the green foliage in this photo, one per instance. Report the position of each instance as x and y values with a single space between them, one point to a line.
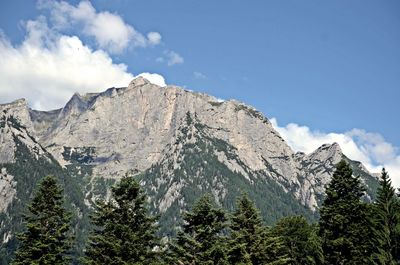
28 169
196 171
46 239
215 103
201 240
344 224
370 181
81 155
251 112
124 232
386 216
199 168
301 243
250 241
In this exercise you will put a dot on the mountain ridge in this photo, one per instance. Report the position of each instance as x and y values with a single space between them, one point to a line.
155 114
179 144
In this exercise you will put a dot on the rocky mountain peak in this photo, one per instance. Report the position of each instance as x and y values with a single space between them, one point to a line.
17 109
178 143
16 103
75 104
133 128
327 151
138 81
15 106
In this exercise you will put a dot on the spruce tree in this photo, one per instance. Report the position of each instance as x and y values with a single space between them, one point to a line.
124 233
301 243
250 242
387 220
201 240
344 225
46 239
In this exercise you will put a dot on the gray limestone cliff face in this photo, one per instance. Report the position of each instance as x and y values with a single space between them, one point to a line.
15 110
15 126
130 129
7 189
315 173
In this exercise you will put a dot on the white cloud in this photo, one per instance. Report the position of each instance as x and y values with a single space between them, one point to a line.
369 148
199 75
110 31
154 79
154 38
48 67
173 58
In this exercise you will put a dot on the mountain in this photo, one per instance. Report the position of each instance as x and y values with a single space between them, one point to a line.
178 143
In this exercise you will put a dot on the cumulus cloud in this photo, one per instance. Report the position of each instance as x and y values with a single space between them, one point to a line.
154 38
369 148
48 67
109 30
154 78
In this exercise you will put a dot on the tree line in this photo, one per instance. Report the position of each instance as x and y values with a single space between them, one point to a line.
349 231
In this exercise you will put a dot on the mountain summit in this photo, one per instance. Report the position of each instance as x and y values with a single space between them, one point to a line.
180 144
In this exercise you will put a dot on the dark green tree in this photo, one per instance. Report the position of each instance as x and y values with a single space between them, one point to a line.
386 215
46 239
344 225
301 242
125 233
250 241
201 240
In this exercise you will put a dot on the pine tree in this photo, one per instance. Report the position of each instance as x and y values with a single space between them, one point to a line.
301 243
250 241
201 241
46 239
387 220
344 223
274 250
125 233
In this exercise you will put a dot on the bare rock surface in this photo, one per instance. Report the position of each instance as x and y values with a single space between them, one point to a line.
130 129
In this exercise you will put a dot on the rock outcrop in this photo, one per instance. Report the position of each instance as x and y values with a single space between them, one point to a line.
130 129
178 143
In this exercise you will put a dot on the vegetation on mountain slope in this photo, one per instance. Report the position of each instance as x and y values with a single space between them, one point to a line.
350 230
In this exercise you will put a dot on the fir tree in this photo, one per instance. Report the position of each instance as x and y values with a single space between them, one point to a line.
46 239
125 233
201 241
250 241
387 220
301 243
344 223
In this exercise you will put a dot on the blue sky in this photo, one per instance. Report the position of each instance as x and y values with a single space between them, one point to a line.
331 66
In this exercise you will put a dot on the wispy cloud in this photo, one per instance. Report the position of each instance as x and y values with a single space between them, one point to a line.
369 148
173 58
199 75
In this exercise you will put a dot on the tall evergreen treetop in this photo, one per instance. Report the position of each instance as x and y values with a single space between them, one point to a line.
386 209
125 233
251 241
344 187
344 223
201 240
46 239
248 234
301 243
